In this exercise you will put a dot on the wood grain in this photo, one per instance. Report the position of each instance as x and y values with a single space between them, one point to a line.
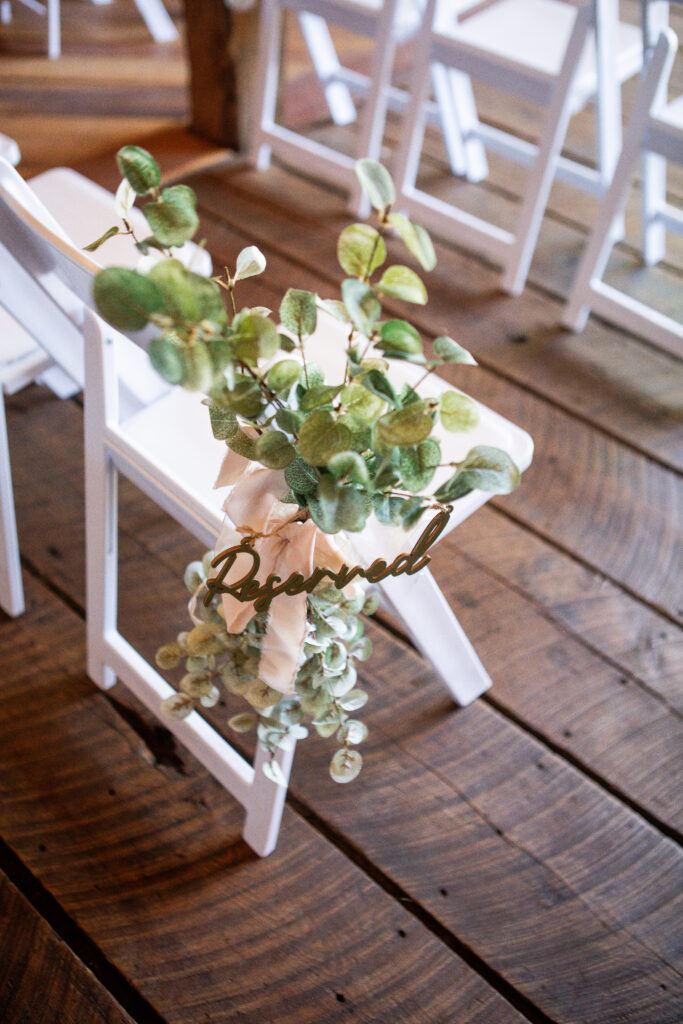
41 980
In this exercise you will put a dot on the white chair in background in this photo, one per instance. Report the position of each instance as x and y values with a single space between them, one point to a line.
155 16
33 348
164 445
544 51
454 109
387 23
655 128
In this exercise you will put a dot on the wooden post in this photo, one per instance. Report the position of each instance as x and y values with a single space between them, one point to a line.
221 50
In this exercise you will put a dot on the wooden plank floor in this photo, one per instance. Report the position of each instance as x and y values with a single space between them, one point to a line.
518 860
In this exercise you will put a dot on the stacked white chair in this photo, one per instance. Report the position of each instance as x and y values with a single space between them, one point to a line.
163 443
655 129
544 51
155 16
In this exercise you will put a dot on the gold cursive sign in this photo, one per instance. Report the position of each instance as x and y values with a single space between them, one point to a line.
248 587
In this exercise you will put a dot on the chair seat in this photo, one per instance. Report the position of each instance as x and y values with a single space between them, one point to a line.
534 34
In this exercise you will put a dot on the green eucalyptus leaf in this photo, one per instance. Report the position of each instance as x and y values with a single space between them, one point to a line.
361 433
361 403
125 298
418 464
166 356
380 385
244 398
490 469
289 420
387 508
401 337
281 376
198 371
176 707
401 282
335 308
301 477
406 426
415 238
173 217
362 304
187 296
286 343
254 337
243 445
274 449
168 656
298 312
321 437
322 394
458 413
450 351
377 183
350 466
243 722
139 168
360 250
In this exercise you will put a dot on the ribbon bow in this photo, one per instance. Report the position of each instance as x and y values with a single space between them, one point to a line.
254 509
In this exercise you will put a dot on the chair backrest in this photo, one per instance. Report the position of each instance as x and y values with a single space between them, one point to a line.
46 283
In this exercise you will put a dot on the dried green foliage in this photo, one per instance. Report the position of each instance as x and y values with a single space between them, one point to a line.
349 449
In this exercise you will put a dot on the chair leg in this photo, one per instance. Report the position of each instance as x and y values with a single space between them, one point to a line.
11 589
374 114
266 803
459 123
596 253
543 171
267 75
158 20
437 634
54 36
326 63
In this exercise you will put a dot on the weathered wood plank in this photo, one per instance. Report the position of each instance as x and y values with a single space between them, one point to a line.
42 981
143 849
602 858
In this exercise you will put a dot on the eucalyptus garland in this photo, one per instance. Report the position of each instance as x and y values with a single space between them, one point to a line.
349 449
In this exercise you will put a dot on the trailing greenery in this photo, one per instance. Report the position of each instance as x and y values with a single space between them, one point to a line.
349 449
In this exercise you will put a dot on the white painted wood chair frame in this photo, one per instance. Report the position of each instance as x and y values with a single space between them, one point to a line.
513 249
293 147
49 281
153 12
454 109
648 131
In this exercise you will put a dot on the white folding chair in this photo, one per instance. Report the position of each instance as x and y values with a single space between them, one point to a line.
655 128
543 51
386 22
153 12
33 347
166 448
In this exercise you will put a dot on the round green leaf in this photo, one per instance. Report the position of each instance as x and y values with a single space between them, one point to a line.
187 296
322 394
125 298
274 450
166 356
400 282
283 375
400 336
176 707
301 477
173 217
255 337
360 250
419 464
450 351
244 399
490 469
298 312
139 168
346 765
416 240
350 466
406 426
458 413
362 404
377 183
321 437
